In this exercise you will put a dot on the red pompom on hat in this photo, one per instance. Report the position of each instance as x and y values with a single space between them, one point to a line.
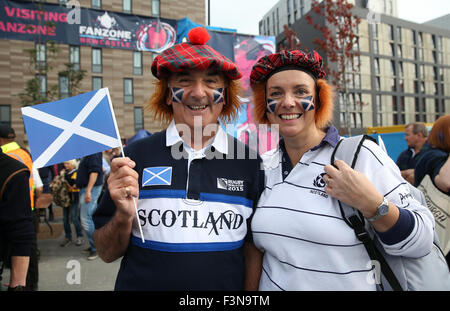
193 55
198 35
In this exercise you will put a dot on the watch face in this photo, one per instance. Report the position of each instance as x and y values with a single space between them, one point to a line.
383 209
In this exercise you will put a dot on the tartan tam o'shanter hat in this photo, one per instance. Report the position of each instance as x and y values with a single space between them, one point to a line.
268 65
193 55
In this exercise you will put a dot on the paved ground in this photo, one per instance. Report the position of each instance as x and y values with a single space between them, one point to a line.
67 269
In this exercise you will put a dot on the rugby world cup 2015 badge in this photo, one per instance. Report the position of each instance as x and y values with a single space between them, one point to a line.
230 185
157 176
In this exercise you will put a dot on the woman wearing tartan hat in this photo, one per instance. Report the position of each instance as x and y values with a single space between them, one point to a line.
300 235
195 194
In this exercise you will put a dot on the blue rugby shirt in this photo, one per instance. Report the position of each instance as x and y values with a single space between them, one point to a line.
195 211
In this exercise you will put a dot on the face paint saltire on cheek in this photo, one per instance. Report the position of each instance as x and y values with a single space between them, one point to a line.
218 95
177 94
271 104
308 103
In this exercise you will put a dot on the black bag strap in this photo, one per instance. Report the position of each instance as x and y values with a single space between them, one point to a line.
356 221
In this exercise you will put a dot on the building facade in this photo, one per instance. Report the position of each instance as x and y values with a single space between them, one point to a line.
287 12
403 74
126 73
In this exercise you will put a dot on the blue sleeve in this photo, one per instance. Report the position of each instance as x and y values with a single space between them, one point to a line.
429 164
95 164
401 230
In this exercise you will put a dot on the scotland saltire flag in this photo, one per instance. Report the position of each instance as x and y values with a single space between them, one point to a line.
157 176
71 128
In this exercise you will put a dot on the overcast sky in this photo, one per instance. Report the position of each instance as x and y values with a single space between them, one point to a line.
244 15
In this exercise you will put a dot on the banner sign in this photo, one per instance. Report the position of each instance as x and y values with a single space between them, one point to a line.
82 26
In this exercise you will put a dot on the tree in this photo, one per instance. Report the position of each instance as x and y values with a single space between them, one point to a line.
32 93
338 42
293 42
41 61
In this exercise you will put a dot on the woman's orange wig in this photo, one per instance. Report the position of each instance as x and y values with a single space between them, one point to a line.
324 100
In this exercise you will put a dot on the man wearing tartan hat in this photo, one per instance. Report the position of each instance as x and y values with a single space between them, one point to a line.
196 186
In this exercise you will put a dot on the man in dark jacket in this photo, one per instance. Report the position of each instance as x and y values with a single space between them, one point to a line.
90 182
16 223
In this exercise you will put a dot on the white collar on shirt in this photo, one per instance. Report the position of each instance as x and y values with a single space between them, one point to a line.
220 140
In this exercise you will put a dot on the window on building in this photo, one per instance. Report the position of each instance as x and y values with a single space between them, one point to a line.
43 84
156 8
126 6
435 73
400 69
377 83
74 57
434 54
357 81
391 32
138 119
435 88
274 22
422 87
399 34
393 85
62 2
137 63
420 39
5 115
128 90
399 51
63 86
96 4
413 37
278 22
41 56
97 83
393 71
437 108
375 46
422 71
376 64
378 107
439 43
96 60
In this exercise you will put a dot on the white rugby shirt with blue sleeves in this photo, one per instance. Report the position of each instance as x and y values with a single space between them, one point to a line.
306 243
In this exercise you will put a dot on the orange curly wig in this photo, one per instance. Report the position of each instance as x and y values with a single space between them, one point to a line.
157 103
324 96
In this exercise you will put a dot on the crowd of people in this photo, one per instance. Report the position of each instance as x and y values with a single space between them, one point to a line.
215 220
19 211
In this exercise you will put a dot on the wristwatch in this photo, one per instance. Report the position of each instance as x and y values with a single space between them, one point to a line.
382 210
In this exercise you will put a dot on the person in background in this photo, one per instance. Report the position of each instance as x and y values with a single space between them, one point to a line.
435 161
70 176
17 235
416 137
90 182
298 229
10 147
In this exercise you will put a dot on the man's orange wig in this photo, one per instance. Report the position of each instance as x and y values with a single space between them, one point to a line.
164 113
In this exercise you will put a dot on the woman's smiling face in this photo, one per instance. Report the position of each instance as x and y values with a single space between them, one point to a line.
290 98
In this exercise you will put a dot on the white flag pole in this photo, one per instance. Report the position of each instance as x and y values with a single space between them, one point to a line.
123 155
